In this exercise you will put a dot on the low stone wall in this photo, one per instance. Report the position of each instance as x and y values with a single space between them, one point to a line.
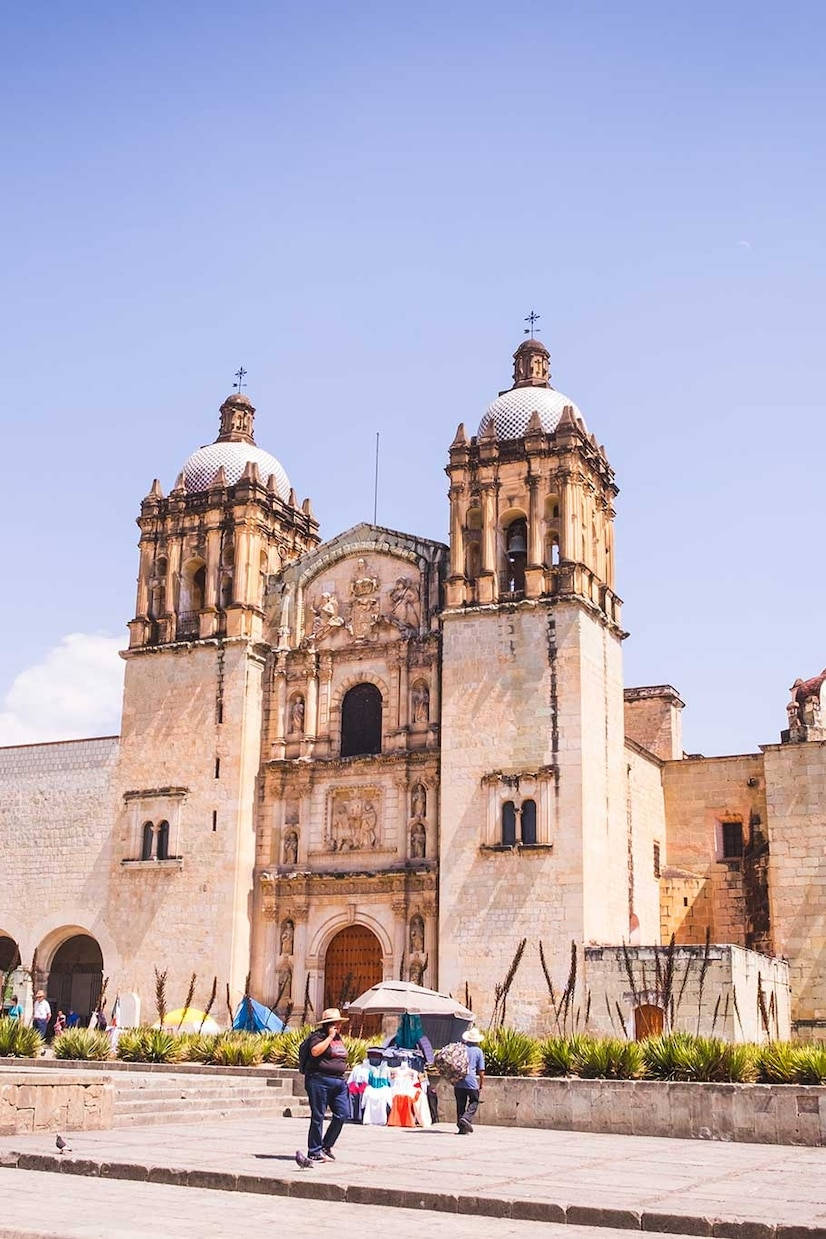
751 1113
54 1101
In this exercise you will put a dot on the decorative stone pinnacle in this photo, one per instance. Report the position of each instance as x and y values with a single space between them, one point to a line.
531 364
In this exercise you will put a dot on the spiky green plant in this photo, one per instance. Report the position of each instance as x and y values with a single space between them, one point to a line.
237 1050
720 1062
272 1047
149 1045
560 1055
669 1057
292 1043
82 1044
811 1063
509 1052
18 1041
197 1047
356 1050
610 1058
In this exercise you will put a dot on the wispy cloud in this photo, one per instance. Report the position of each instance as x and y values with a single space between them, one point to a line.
744 245
74 691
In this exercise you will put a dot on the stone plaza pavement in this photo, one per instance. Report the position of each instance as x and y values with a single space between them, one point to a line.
516 1174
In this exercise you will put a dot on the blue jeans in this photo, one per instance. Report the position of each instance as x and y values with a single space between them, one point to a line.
324 1091
41 1026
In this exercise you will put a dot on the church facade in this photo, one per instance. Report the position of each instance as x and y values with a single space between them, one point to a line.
382 756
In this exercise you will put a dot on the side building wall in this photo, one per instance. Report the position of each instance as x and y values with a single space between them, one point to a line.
796 796
701 888
56 813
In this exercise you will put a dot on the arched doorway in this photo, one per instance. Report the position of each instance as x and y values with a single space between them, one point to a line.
76 976
648 1021
9 961
361 721
352 964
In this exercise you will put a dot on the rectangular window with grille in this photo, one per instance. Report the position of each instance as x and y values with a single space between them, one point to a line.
732 840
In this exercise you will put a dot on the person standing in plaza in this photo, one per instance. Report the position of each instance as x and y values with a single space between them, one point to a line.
323 1059
41 1014
467 1091
15 1010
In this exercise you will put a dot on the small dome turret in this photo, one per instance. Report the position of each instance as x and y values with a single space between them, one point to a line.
233 450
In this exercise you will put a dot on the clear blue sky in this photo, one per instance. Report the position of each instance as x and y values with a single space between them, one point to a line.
360 203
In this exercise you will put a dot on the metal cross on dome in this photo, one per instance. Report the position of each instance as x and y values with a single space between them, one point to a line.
239 379
532 318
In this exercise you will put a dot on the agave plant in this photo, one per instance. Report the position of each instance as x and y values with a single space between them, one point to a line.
19 1041
292 1043
509 1052
718 1061
197 1047
670 1056
611 1058
237 1050
273 1047
811 1065
82 1044
356 1050
149 1045
560 1055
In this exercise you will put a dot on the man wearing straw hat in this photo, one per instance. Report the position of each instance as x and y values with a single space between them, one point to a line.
466 1091
325 1079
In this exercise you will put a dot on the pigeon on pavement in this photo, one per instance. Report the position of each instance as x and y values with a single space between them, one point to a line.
302 1161
62 1146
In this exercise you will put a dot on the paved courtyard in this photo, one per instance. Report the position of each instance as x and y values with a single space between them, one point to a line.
630 1182
64 1207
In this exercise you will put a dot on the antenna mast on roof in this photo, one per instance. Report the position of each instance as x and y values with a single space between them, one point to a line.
376 482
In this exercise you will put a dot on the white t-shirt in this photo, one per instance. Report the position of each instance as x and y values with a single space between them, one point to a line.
42 1010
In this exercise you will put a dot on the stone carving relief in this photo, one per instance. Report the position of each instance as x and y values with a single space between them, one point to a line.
362 606
415 942
353 820
405 608
420 703
805 710
416 972
287 937
291 848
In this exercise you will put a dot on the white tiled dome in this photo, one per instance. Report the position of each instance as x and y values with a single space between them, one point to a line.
511 412
201 467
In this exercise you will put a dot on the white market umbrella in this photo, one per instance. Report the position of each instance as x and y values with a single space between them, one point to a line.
403 997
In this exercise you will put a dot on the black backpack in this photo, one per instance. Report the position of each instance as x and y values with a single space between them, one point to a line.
304 1054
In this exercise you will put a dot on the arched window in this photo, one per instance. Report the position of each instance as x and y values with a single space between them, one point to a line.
226 589
263 574
508 823
193 583
163 841
528 821
516 555
147 841
157 596
361 721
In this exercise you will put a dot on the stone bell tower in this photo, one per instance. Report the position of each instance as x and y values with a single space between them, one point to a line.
533 840
192 709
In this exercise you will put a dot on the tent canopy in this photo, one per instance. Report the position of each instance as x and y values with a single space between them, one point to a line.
252 1016
188 1019
401 997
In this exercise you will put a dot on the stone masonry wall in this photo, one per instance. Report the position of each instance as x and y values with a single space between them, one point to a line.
701 794
56 815
60 1101
722 999
796 800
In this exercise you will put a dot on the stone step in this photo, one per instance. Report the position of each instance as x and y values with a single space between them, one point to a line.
152 1093
158 1119
202 1103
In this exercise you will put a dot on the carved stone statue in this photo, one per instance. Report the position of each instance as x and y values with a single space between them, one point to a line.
291 848
418 801
811 712
285 984
325 616
416 972
287 937
793 714
404 603
297 716
416 934
420 697
418 841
